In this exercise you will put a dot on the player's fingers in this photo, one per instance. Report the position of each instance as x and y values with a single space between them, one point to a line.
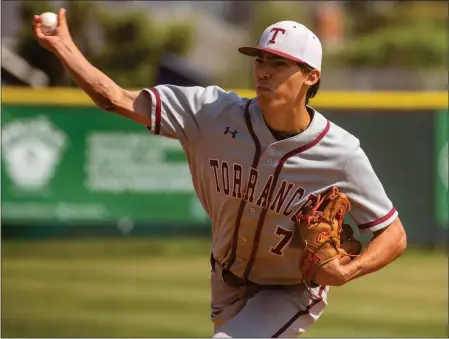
345 260
37 30
36 20
62 18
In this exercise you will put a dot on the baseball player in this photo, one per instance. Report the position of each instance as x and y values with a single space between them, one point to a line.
259 166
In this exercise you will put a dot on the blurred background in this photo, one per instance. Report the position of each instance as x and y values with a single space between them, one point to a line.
102 235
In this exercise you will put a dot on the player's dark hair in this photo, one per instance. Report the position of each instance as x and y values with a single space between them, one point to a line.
313 90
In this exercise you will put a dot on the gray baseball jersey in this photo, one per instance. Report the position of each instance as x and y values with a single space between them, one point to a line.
253 186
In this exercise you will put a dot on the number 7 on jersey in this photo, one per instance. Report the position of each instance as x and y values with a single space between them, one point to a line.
285 235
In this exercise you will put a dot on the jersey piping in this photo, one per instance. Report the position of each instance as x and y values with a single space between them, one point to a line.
243 201
301 313
378 221
275 179
158 113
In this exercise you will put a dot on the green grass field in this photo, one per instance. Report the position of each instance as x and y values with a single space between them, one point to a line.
159 288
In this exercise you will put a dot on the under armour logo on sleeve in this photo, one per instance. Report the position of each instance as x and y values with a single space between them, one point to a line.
233 133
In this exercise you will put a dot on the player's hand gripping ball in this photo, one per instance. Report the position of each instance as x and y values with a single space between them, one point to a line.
51 30
49 22
325 237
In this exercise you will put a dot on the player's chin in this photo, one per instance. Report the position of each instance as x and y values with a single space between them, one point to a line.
268 102
265 98
264 93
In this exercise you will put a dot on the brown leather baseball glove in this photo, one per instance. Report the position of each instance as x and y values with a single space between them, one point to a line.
321 227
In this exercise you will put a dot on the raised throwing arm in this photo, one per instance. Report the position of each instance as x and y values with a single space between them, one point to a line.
104 92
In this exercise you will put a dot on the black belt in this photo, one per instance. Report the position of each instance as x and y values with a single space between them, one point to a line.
230 278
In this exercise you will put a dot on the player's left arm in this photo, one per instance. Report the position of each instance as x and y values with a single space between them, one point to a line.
374 213
387 245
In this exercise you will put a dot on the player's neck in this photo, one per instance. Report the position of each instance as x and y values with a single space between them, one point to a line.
295 120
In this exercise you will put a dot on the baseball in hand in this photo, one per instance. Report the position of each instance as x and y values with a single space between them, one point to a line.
49 21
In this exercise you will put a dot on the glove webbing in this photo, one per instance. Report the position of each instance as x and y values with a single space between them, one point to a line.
316 217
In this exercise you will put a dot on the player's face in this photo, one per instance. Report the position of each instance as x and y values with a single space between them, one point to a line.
279 81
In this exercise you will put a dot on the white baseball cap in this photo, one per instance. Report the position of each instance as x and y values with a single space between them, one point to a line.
291 40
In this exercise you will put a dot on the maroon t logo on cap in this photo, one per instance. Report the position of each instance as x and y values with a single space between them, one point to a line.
276 31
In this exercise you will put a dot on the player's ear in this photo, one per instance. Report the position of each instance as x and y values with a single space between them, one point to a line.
312 77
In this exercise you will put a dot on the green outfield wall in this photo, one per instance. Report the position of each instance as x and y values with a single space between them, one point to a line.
70 168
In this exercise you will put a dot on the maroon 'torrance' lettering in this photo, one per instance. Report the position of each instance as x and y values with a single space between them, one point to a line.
236 192
276 32
213 163
281 196
225 177
263 199
299 193
311 200
252 181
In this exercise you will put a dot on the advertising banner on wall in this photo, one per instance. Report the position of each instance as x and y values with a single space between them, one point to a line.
79 164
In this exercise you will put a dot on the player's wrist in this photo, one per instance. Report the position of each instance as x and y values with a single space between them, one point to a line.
352 270
64 48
